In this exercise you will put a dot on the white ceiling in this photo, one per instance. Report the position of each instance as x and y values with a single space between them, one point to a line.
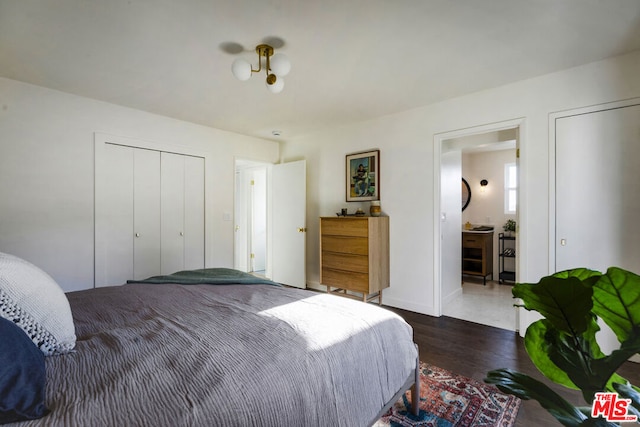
352 60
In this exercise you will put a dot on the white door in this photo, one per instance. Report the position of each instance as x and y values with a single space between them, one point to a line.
194 212
241 214
289 189
597 187
127 214
258 222
146 213
172 213
451 229
114 215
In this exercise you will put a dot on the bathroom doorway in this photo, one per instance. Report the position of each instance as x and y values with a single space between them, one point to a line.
484 157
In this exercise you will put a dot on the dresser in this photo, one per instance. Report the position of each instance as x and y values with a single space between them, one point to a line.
477 254
354 256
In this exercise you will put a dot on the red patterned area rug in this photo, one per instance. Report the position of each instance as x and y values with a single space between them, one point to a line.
448 400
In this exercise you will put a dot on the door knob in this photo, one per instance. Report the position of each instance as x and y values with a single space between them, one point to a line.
137 234
181 233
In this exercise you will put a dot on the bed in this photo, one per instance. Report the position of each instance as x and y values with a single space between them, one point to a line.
236 353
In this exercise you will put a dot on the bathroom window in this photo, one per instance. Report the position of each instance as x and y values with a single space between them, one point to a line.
510 188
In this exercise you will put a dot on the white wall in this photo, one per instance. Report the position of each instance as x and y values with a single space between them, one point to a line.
47 167
406 141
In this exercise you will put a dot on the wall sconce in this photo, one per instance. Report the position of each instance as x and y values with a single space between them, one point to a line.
483 185
276 66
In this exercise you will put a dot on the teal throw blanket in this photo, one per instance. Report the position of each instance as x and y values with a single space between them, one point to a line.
208 276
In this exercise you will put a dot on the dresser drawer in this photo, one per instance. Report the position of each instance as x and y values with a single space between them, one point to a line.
344 244
345 227
471 241
358 282
347 262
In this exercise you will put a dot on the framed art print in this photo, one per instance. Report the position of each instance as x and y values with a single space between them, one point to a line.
363 176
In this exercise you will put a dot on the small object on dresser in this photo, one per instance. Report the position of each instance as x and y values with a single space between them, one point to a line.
359 212
375 209
343 211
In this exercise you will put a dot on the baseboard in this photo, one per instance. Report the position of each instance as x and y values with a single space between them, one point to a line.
408 305
316 286
391 302
453 295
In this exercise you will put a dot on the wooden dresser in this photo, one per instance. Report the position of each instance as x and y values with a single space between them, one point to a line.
354 255
477 254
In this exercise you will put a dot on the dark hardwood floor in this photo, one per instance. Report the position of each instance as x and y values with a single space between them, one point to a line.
472 350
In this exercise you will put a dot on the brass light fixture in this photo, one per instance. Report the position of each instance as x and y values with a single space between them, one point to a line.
275 66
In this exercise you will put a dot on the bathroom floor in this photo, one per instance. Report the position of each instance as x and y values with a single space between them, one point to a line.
490 305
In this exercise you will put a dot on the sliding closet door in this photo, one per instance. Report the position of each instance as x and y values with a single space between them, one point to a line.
194 213
182 212
114 215
597 187
172 212
127 214
146 213
150 213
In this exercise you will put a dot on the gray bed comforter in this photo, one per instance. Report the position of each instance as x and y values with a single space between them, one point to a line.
233 355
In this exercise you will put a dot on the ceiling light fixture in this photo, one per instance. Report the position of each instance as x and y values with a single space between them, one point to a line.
276 66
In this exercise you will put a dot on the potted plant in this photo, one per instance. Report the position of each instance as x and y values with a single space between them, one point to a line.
563 344
509 227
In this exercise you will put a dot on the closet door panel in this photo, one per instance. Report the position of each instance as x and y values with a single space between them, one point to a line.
194 213
172 212
146 213
114 216
597 185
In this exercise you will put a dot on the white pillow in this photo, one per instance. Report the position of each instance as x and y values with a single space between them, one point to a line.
35 302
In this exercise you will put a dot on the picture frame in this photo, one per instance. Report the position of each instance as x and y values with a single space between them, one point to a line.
363 176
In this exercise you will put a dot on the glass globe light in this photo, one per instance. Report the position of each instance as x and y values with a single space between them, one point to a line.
241 69
277 86
280 64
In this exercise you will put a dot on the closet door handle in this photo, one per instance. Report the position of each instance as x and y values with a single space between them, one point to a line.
137 234
181 233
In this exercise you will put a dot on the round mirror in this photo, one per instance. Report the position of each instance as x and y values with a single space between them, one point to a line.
466 194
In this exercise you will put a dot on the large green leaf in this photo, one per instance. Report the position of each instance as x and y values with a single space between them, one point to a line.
525 387
537 346
617 301
566 302
575 354
585 364
588 277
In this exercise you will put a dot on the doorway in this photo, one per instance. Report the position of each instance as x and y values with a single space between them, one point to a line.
269 215
250 216
461 154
